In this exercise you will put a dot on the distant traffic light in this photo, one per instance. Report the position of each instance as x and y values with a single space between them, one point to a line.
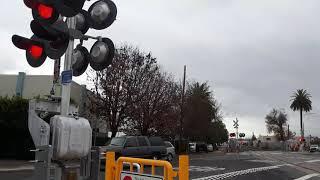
232 134
242 135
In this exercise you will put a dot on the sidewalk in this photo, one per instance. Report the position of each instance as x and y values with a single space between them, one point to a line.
15 165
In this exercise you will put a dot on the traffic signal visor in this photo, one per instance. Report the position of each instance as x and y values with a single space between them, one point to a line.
43 11
102 13
35 52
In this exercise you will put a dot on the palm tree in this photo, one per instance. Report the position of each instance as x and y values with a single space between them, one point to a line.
301 102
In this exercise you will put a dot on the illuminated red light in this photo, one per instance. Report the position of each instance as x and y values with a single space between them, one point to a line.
35 51
44 11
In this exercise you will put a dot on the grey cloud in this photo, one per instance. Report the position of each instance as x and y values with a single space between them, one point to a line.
253 53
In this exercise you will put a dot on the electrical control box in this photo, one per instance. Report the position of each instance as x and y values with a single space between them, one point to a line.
71 137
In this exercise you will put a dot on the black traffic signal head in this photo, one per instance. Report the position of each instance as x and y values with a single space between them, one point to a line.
35 49
80 60
43 11
83 21
49 10
102 13
102 53
56 37
69 8
232 134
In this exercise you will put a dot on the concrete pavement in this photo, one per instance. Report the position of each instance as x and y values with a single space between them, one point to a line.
251 165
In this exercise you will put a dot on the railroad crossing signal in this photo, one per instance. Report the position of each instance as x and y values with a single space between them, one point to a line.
236 123
51 33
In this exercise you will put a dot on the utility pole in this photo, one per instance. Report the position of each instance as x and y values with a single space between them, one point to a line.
65 97
288 132
236 126
182 108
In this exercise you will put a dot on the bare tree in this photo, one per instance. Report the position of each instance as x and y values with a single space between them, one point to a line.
117 87
158 104
276 121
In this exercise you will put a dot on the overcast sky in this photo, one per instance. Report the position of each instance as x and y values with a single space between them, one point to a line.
253 53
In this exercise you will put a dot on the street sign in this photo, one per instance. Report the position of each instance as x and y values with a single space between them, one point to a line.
66 77
135 176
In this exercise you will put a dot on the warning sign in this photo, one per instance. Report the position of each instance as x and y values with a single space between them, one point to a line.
135 176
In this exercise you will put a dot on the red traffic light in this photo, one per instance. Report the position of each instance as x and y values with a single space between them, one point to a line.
34 49
55 36
44 11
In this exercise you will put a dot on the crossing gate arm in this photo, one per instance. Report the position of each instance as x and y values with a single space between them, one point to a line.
168 174
114 168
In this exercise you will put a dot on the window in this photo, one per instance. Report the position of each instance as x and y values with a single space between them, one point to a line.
156 141
168 144
118 141
131 142
142 141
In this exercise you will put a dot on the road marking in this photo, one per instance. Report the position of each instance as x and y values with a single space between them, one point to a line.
262 160
204 168
22 168
276 153
308 176
311 161
238 173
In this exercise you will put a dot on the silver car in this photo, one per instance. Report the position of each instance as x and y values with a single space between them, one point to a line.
171 152
210 147
314 148
192 147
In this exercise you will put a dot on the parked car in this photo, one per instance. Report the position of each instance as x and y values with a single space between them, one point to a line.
314 148
201 146
171 152
210 147
192 147
137 146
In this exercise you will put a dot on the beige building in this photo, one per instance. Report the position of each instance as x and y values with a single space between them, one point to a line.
30 86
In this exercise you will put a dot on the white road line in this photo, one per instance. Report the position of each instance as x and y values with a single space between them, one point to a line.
22 168
261 160
311 161
238 173
308 176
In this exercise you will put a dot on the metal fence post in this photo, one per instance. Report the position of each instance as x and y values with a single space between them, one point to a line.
183 167
110 166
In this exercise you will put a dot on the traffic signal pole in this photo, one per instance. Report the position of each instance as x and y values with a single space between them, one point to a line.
66 88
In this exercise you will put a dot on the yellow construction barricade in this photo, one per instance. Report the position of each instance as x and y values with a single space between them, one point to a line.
114 169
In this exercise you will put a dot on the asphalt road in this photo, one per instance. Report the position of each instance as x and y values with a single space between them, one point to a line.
252 165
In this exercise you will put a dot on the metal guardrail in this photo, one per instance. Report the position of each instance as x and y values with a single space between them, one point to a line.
114 168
